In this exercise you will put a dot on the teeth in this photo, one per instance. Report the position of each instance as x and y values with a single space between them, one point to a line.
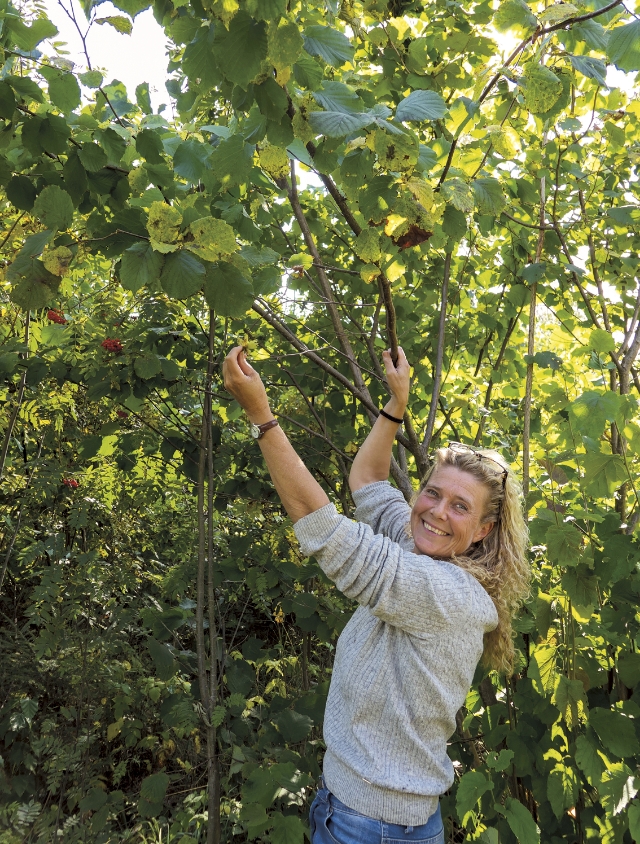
434 530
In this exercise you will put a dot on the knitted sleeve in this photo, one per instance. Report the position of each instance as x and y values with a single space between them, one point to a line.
407 590
385 510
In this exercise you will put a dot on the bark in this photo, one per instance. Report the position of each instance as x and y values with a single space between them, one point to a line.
437 377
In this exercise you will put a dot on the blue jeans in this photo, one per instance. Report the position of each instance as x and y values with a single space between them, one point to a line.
334 823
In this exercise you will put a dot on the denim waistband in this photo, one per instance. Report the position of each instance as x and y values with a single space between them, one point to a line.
431 827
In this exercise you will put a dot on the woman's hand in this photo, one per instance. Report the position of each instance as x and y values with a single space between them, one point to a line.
398 378
246 386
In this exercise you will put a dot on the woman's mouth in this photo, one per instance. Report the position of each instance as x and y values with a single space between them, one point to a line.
432 529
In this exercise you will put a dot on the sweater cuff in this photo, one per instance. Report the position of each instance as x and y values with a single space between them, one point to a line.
370 491
313 531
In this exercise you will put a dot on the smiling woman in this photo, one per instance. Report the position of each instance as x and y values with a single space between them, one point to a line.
434 599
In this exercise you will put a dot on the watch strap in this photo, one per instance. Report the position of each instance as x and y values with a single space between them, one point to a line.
262 429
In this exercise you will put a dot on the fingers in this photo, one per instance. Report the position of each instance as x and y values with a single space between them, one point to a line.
400 363
236 360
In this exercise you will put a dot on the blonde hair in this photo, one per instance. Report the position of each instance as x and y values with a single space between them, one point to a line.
499 561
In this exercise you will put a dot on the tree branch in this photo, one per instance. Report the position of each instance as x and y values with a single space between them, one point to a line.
435 395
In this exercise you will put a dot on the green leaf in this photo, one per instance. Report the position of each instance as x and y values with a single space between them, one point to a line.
64 92
7 100
592 410
132 7
601 340
514 14
93 801
25 88
91 79
308 72
149 145
623 46
21 193
293 726
336 124
119 23
589 760
454 223
582 588
140 265
53 134
591 68
259 788
521 823
232 161
241 50
143 98
615 731
332 46
147 366
603 473
470 789
542 669
629 669
336 96
227 291
164 661
421 105
286 829
112 144
562 789
55 208
28 37
93 157
459 194
182 275
188 160
489 196
154 788
563 544
634 821
617 788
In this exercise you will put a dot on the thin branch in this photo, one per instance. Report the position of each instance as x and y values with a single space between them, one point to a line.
435 395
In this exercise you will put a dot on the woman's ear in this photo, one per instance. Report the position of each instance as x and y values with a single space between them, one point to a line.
483 531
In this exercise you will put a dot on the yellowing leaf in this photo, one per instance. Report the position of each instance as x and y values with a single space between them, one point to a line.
163 225
213 239
422 192
275 161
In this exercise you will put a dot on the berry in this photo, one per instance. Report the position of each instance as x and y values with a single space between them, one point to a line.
112 345
71 483
56 316
122 414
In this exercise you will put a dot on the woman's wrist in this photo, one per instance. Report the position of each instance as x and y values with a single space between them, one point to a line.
258 416
395 408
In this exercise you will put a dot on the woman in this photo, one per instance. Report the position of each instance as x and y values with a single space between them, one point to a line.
437 585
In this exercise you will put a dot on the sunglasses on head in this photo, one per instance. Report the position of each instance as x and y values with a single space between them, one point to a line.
461 448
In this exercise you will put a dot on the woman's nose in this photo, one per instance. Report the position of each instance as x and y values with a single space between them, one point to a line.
439 509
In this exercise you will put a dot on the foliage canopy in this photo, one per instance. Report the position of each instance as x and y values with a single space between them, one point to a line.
336 178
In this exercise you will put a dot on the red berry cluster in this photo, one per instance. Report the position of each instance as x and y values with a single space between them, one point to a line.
122 414
112 345
71 483
56 316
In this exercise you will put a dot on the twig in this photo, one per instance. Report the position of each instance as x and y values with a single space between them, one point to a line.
431 420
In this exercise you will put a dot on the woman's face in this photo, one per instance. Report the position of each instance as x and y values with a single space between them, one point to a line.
447 517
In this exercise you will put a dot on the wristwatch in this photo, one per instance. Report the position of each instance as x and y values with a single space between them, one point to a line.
258 431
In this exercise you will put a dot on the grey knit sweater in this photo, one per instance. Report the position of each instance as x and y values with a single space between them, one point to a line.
404 662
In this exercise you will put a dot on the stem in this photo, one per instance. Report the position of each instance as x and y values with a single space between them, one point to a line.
16 410
526 434
435 395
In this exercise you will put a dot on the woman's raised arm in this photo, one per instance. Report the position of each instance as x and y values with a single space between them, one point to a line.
299 491
373 460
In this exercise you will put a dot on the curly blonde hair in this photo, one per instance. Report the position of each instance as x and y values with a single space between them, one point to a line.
499 561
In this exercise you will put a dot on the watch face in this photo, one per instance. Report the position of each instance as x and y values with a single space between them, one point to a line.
255 432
